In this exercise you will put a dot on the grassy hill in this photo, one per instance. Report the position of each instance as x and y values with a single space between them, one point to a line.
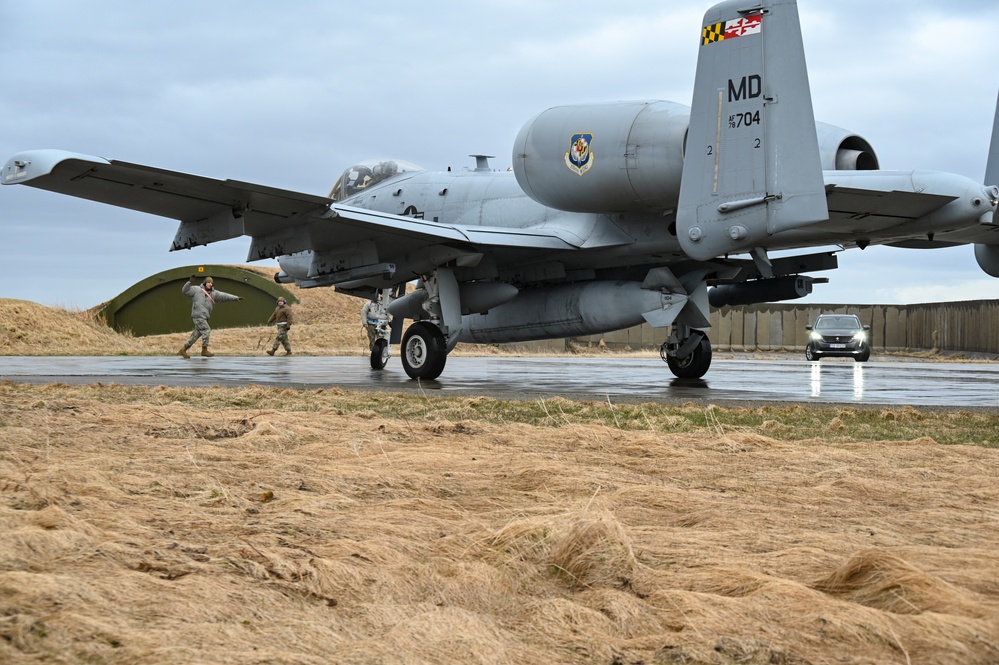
327 323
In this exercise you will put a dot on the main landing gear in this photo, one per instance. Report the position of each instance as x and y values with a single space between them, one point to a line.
688 357
424 351
427 341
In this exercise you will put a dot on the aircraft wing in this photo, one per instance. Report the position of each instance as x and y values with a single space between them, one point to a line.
279 221
365 221
179 196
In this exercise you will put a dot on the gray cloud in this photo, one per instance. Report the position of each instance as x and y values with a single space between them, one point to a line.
289 94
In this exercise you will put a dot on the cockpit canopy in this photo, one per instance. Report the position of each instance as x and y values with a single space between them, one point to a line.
368 173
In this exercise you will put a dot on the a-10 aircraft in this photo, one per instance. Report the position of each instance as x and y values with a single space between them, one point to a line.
614 213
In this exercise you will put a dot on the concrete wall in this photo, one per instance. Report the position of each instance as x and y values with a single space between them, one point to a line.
969 326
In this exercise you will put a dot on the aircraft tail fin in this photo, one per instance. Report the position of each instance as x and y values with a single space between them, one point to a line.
751 166
992 168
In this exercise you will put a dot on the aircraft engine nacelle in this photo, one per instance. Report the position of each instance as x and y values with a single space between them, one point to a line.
840 150
628 156
988 258
616 157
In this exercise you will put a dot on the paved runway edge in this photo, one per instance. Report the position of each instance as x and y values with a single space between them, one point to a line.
731 380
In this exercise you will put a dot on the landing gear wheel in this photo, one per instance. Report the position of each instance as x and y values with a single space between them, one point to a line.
693 366
379 354
424 351
810 354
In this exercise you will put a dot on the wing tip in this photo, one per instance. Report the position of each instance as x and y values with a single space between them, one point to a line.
31 164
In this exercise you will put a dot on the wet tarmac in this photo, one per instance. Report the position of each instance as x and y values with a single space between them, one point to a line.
731 380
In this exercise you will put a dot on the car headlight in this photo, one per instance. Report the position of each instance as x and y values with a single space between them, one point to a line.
861 336
814 336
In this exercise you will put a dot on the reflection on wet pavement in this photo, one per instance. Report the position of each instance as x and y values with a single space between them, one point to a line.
781 379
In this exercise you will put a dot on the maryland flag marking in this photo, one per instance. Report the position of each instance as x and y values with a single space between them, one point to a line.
716 32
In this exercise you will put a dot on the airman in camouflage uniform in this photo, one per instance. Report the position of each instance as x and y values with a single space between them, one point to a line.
283 317
205 297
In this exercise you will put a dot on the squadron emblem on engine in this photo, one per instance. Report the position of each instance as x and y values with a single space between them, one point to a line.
579 158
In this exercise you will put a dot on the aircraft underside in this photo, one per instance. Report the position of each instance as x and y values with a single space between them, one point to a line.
545 312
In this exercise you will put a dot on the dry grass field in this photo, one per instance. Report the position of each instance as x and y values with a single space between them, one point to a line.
256 525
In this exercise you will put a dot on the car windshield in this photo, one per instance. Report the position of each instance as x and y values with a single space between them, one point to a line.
838 322
366 174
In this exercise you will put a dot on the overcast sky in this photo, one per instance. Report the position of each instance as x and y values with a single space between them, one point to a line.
289 94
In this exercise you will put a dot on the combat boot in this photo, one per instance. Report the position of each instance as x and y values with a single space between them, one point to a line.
288 352
184 353
270 352
206 353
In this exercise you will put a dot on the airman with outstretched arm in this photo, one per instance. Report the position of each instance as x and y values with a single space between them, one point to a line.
204 298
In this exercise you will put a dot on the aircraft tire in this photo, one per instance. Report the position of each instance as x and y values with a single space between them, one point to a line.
693 366
379 354
424 351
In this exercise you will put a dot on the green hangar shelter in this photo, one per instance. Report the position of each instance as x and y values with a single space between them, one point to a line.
156 306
